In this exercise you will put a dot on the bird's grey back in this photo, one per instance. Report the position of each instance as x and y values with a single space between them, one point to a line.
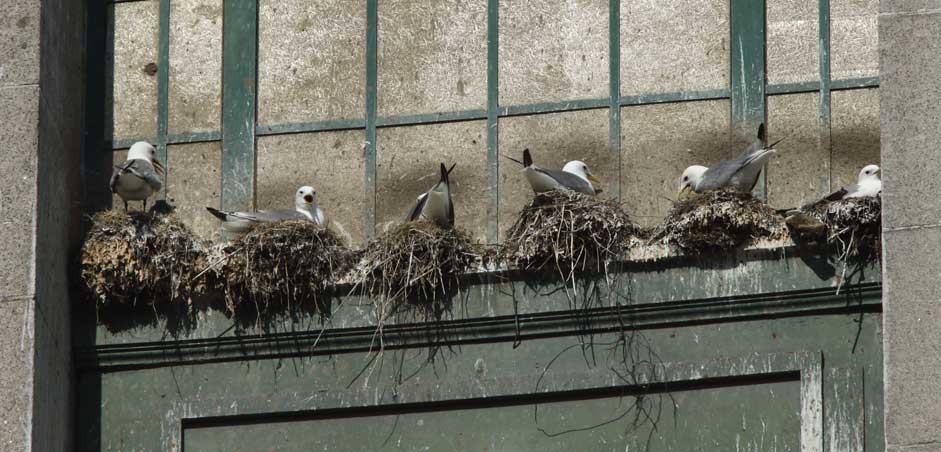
269 216
569 180
722 174
140 168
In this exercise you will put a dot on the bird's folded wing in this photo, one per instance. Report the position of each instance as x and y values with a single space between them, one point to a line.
568 180
841 193
144 170
417 208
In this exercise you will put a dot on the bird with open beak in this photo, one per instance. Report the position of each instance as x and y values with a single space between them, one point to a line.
137 178
305 208
575 176
435 204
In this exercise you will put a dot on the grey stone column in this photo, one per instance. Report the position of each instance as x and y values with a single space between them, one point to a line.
41 76
910 51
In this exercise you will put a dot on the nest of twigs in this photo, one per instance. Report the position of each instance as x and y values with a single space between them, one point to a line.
282 265
416 265
853 225
568 232
717 221
150 257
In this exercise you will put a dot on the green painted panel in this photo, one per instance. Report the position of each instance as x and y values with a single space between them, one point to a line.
766 418
614 80
372 62
239 75
493 122
163 87
748 75
824 137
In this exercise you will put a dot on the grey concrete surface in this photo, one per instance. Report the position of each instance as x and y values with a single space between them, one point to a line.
854 38
195 89
135 83
792 42
910 109
854 133
798 173
195 182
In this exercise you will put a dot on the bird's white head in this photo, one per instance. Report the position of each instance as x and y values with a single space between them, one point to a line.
580 169
306 199
870 172
143 150
691 178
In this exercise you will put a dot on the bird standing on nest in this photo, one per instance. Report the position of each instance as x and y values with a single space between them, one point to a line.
867 185
575 176
305 208
740 173
137 178
435 204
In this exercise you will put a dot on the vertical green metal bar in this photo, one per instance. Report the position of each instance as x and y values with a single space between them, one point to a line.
239 73
823 136
748 75
163 96
614 83
493 120
372 63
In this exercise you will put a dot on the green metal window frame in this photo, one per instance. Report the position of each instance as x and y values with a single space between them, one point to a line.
748 90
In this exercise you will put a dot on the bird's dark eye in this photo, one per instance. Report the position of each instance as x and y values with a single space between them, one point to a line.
685 178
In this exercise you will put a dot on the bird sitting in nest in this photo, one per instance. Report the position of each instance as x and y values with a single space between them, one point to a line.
305 208
435 204
739 174
575 176
868 185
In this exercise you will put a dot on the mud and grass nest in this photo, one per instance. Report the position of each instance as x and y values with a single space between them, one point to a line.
718 221
283 265
853 226
416 266
147 257
568 232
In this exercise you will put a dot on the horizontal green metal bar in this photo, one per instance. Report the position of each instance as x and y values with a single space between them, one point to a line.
304 127
186 138
685 96
854 83
553 107
812 87
431 118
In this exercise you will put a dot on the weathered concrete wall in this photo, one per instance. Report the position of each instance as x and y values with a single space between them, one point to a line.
432 59
910 110
41 109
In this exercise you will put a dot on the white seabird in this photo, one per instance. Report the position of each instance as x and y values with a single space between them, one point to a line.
305 208
137 178
435 204
575 176
868 184
740 173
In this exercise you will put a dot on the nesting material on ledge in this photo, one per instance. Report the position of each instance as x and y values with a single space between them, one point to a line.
289 263
854 225
567 232
718 221
141 256
417 264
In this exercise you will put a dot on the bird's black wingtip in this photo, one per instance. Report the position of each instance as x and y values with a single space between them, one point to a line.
527 158
762 134
216 213
444 173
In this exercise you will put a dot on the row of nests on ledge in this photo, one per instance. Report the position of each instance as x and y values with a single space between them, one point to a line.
153 256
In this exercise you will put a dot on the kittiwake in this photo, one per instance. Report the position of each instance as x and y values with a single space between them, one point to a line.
137 178
575 176
305 208
435 204
740 173
867 185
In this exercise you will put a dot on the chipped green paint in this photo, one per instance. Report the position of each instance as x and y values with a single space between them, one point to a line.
372 84
614 87
163 87
239 89
747 74
493 121
824 144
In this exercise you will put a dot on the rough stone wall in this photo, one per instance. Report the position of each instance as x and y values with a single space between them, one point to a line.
432 59
911 111
41 86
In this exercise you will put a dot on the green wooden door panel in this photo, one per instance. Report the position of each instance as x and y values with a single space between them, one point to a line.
766 418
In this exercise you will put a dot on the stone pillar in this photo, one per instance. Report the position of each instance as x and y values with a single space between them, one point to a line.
910 51
41 76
